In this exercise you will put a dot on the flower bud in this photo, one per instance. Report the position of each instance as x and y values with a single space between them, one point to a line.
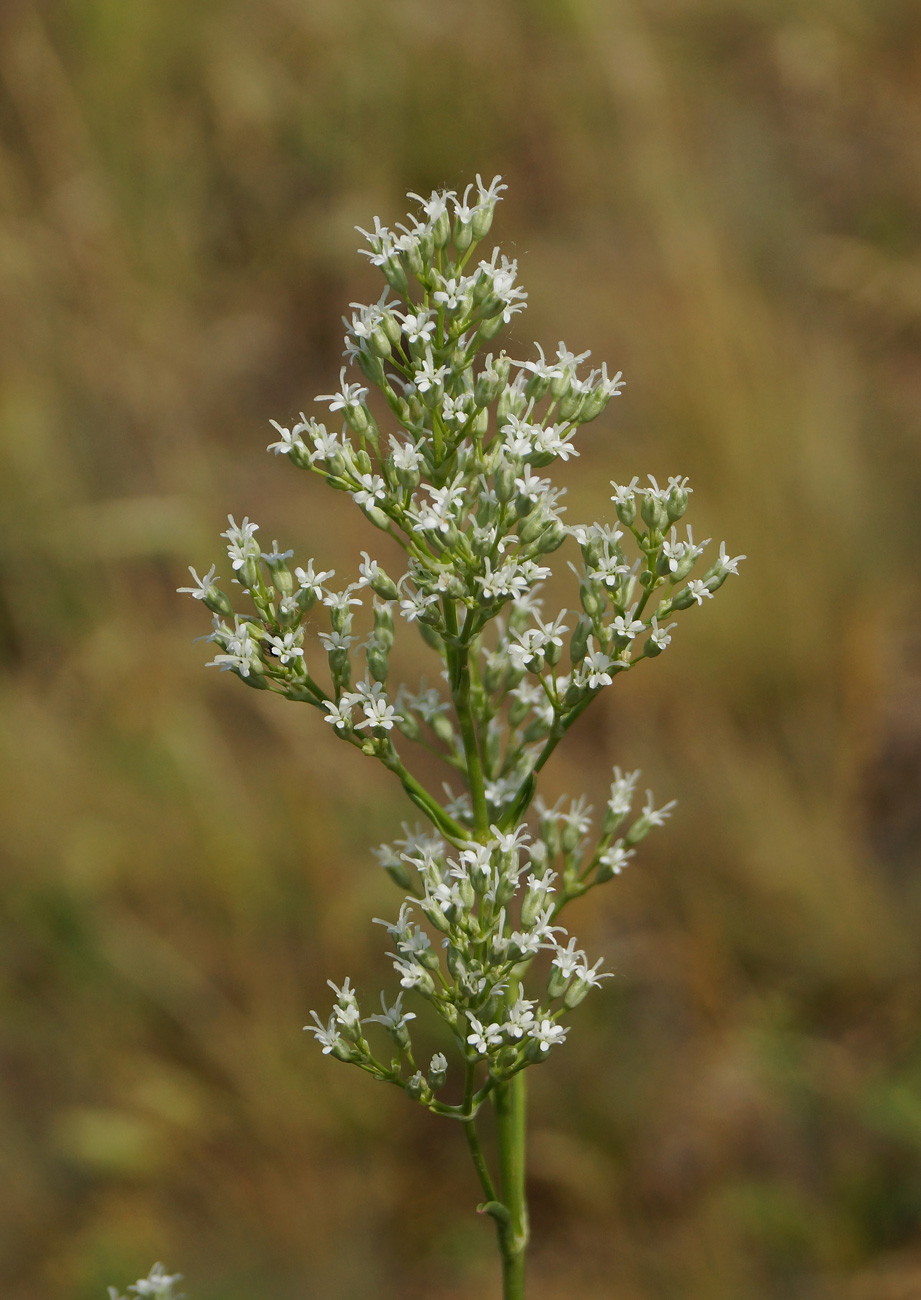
378 660
217 602
488 329
532 526
436 915
576 993
571 407
654 513
441 725
537 387
438 1072
377 517
626 510
504 482
593 403
531 907
395 276
683 600
578 642
676 502
441 230
415 1087
408 725
380 343
256 677
482 219
552 538
592 598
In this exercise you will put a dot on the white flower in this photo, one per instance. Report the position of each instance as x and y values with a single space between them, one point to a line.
568 958
349 394
626 626
616 857
698 590
519 1017
660 635
200 591
483 1038
289 440
547 1034
417 326
340 714
286 647
429 375
372 489
157 1284
393 1017
241 544
727 565
309 580
622 788
595 667
327 1034
378 713
623 494
406 457
657 817
589 974
343 600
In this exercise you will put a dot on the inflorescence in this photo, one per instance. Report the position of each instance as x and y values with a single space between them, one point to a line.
459 485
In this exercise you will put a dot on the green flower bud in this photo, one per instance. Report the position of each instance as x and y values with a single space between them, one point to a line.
488 329
256 677
576 993
462 235
408 724
532 526
441 725
537 387
534 901
482 221
217 602
415 1087
377 517
592 597
395 276
399 873
438 1072
371 367
593 404
383 625
552 538
578 642
571 407
380 343
676 503
504 482
626 511
436 916
683 600
441 230
378 661
654 513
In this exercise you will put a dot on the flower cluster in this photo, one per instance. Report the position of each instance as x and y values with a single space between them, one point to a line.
158 1285
461 482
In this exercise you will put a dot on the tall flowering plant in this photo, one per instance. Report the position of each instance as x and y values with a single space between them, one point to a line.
461 481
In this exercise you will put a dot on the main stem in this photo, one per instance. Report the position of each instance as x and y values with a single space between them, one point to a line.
509 1100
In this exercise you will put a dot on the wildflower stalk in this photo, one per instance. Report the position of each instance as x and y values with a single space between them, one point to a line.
459 486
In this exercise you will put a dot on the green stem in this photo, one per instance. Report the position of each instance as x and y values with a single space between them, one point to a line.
458 654
509 1100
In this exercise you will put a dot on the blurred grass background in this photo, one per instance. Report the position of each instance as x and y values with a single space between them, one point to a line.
720 197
